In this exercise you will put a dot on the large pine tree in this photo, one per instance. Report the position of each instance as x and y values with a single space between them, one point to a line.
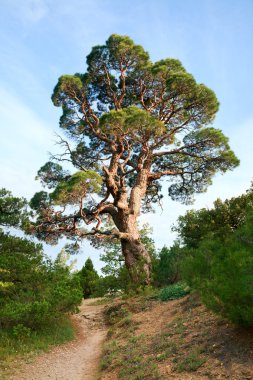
130 124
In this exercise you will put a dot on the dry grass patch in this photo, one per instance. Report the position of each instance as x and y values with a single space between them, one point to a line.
153 340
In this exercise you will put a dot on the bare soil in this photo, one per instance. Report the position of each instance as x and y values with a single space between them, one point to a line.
178 340
76 360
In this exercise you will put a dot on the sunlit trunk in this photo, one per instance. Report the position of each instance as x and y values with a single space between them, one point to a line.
137 261
137 258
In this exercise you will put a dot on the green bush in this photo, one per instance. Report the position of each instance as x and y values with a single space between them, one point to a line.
222 273
34 291
20 331
166 266
173 292
219 222
20 342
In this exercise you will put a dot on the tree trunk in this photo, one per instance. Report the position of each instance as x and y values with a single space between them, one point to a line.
137 260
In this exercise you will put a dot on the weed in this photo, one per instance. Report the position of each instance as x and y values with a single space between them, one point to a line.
176 327
109 353
191 362
110 333
135 365
113 314
163 346
130 359
136 338
126 322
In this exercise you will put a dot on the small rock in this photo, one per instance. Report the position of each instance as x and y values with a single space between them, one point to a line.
169 368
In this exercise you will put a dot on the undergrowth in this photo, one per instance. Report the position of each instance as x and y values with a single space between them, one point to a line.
173 292
21 343
138 356
130 359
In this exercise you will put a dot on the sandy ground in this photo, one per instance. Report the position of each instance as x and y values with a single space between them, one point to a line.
76 360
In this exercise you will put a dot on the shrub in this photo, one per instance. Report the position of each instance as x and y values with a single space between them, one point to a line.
20 331
219 222
222 272
166 267
115 313
34 291
173 292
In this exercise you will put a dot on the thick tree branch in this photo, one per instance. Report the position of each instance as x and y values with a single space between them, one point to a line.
181 150
154 176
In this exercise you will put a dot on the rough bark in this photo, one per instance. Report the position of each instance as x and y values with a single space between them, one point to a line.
137 258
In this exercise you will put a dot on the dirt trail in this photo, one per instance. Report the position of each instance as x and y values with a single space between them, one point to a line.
76 360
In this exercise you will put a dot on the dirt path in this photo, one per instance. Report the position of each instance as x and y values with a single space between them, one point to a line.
76 360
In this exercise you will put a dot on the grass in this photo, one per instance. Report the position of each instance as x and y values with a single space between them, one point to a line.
109 353
162 346
176 327
20 344
126 351
130 359
191 362
136 356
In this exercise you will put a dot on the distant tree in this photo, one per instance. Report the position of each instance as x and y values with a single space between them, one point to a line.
133 123
12 209
167 265
62 260
221 220
88 278
34 290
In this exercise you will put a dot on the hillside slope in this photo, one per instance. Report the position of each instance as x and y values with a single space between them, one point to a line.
178 339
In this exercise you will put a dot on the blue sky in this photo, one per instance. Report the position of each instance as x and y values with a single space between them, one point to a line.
43 39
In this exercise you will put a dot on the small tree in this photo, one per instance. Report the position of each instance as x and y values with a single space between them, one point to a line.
221 220
133 124
167 265
218 262
12 210
34 291
223 273
88 278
